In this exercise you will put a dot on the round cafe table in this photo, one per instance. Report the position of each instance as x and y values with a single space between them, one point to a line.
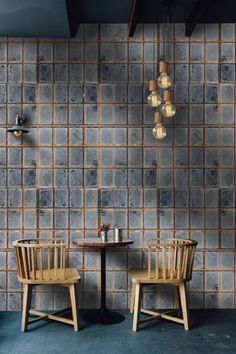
102 315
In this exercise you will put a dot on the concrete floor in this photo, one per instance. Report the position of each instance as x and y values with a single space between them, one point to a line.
214 331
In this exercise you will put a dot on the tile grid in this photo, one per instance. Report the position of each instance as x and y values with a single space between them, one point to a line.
169 221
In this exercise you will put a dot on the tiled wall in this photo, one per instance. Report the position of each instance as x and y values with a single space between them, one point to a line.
90 148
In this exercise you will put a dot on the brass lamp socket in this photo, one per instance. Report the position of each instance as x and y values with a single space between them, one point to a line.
158 117
163 67
167 95
153 85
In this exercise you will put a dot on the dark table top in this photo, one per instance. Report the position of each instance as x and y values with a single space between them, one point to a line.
98 243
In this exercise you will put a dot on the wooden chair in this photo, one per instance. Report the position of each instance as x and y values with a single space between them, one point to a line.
170 261
42 261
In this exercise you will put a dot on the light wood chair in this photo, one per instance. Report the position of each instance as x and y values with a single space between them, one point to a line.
42 261
170 261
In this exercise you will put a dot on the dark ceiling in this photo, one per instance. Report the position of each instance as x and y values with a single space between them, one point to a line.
61 18
115 11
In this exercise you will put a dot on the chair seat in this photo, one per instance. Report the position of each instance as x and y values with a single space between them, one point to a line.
53 276
141 276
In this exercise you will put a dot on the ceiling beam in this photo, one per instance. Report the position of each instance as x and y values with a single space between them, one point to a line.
197 10
133 17
73 16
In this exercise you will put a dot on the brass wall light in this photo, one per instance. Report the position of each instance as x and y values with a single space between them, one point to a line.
17 129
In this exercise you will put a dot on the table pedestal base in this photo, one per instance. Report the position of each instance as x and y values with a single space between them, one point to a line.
103 316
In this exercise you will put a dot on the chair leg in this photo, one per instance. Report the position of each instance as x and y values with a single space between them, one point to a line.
132 298
183 299
137 305
73 300
177 304
27 294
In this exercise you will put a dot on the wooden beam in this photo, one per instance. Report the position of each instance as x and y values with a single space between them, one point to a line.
73 16
133 17
195 14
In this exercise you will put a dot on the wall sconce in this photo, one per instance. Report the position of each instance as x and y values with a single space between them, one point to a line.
17 129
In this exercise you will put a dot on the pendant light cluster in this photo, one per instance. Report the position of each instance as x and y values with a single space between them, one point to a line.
162 107
166 108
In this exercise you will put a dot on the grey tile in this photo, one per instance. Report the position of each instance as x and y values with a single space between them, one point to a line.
76 198
91 157
227 136
211 93
120 198
76 177
120 52
211 114
150 178
196 114
135 52
60 93
45 72
14 198
135 177
227 93
212 52
227 32
14 52
166 198
30 52
196 177
196 52
181 157
212 72
3 73
227 114
60 114
29 94
29 198
3 52
227 52
45 177
196 73
61 198
76 52
211 177
181 198
90 93
181 52
135 198
135 93
3 198
14 73
227 73
45 52
61 219
61 51
91 52
60 177
227 157
14 94
45 198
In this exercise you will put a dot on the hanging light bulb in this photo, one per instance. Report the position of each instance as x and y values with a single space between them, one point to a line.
154 99
168 109
164 80
159 131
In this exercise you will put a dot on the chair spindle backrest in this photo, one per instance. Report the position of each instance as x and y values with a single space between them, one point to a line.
40 259
171 258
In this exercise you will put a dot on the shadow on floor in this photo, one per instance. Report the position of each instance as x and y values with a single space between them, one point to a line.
213 331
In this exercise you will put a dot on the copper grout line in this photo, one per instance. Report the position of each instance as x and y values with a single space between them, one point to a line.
99 177
7 177
53 139
37 157
83 141
22 142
